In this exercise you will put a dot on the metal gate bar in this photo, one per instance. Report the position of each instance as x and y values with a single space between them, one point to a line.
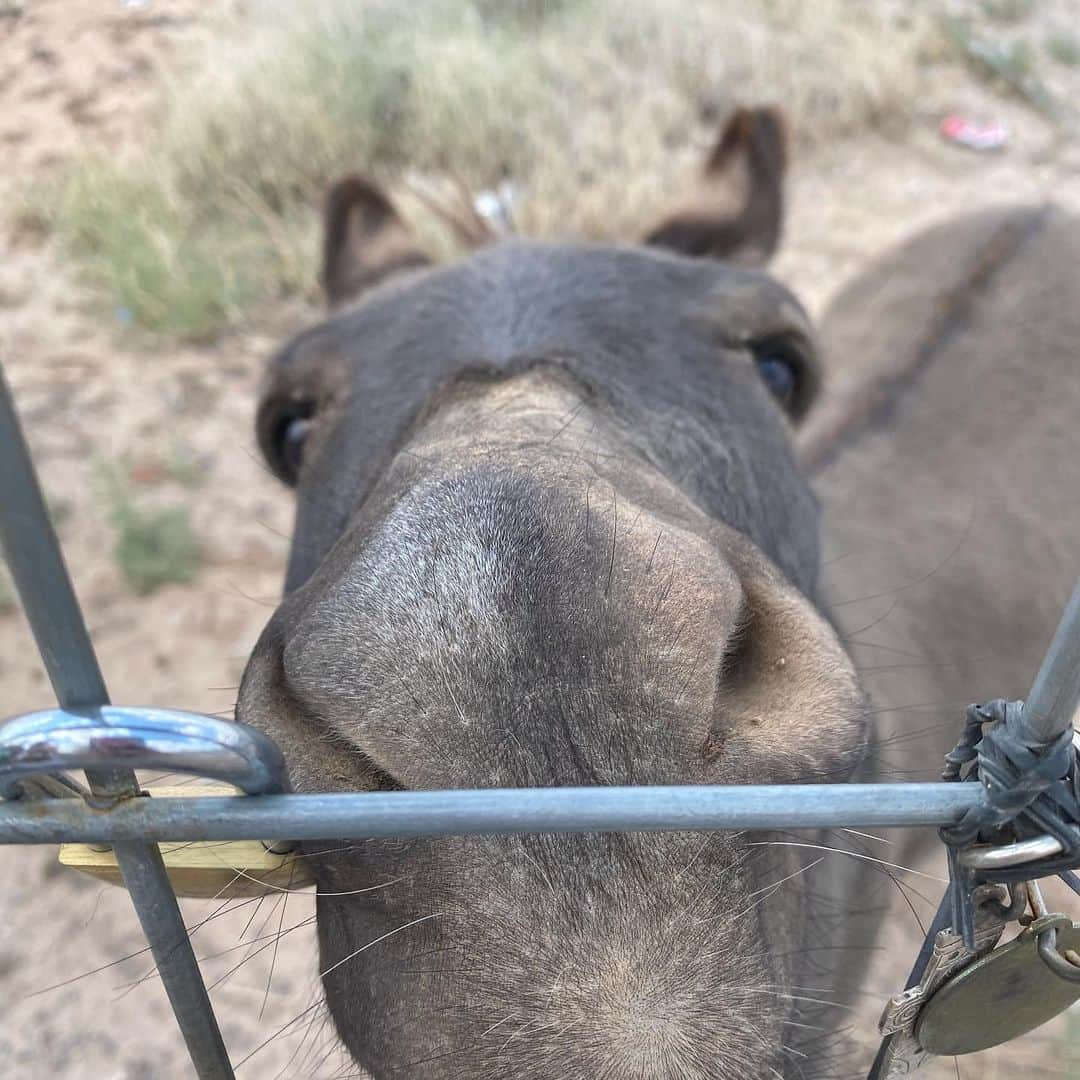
362 815
1051 706
37 567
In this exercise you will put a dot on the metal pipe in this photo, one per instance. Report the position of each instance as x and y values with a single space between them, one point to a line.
1055 694
493 810
33 554
163 926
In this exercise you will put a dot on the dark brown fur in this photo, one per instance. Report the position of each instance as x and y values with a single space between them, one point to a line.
364 240
750 161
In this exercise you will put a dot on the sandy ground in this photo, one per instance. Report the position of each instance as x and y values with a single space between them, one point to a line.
83 72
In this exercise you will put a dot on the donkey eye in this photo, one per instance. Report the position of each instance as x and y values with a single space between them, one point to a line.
780 367
778 374
289 438
293 438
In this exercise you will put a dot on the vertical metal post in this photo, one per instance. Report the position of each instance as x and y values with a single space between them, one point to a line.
37 567
1051 706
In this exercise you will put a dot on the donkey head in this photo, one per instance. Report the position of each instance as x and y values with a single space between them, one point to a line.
550 532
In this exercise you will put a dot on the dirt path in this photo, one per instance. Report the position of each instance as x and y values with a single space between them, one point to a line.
77 72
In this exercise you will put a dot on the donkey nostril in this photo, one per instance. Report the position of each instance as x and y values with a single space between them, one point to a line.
736 655
349 764
318 755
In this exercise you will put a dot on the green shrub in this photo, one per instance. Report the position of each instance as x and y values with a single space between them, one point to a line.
1012 64
155 546
1008 11
1064 48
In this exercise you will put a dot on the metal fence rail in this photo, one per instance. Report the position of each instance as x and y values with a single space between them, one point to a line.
109 742
494 810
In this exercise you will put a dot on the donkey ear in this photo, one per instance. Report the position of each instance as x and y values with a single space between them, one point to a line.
738 212
364 242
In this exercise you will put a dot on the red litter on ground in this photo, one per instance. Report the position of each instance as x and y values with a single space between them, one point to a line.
973 135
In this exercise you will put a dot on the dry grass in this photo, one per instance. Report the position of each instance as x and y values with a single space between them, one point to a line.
595 109
1014 63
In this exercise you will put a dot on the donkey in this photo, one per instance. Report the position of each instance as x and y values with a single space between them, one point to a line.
942 455
552 529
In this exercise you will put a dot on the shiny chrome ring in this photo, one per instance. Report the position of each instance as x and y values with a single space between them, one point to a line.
1023 851
169 740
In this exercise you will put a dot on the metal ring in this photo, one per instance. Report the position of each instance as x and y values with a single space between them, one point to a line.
1065 969
56 740
1000 858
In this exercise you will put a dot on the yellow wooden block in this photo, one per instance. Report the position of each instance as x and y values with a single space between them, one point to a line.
219 869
